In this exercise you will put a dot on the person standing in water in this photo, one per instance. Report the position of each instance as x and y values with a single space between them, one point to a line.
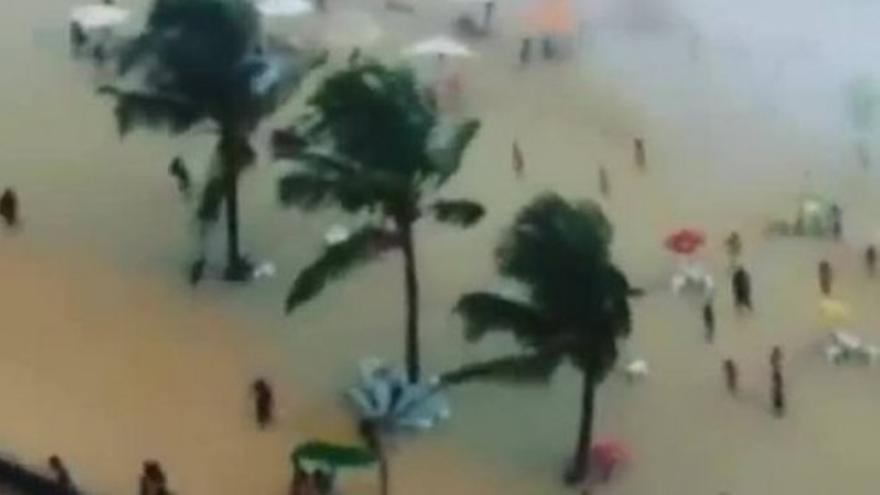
742 289
639 151
264 402
871 259
826 277
709 320
731 376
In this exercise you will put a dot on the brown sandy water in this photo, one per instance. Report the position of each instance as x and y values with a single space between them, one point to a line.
109 358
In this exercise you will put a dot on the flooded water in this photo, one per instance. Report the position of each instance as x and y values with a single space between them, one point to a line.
107 357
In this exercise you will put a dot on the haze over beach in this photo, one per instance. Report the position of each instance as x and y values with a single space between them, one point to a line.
109 357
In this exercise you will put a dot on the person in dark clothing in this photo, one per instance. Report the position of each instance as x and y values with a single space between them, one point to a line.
777 393
837 221
604 182
153 480
709 321
639 150
264 402
178 170
9 207
525 51
731 376
871 259
742 289
78 38
826 277
61 474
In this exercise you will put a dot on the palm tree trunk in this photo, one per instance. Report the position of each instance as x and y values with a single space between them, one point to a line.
580 467
371 432
384 468
237 269
411 286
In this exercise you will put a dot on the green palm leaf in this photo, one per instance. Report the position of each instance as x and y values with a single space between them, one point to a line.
333 455
461 212
484 312
335 261
524 368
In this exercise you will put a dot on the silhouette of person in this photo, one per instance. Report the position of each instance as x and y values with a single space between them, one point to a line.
709 321
826 277
871 259
742 289
731 376
60 473
177 169
264 402
9 207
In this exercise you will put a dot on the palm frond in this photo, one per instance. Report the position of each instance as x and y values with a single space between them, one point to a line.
306 190
134 108
447 145
461 212
336 261
484 312
522 368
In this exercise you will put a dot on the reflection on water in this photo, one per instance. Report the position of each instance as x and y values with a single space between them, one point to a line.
108 357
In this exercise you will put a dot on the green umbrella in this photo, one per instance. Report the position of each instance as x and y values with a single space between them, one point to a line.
333 455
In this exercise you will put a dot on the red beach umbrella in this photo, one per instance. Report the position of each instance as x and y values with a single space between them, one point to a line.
685 241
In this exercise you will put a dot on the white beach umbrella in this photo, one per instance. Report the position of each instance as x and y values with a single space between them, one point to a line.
99 16
284 8
440 45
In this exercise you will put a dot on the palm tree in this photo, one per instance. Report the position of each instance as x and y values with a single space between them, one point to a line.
574 307
200 61
372 143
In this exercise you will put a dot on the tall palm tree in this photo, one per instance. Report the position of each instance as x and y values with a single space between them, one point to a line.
200 61
574 306
372 143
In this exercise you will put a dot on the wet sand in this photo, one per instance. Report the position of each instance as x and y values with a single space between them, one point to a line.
109 358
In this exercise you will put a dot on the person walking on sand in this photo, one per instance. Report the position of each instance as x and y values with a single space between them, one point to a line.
731 376
60 474
9 207
177 169
264 402
604 182
742 289
871 259
519 161
777 390
639 151
733 245
709 321
826 277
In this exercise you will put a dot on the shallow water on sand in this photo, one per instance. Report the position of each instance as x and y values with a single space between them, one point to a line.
107 357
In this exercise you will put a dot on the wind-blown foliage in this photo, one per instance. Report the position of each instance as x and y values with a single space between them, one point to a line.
207 61
575 309
371 143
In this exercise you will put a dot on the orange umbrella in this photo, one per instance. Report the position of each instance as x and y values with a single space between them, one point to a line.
552 17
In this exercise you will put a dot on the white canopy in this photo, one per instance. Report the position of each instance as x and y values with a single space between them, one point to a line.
440 45
284 8
99 16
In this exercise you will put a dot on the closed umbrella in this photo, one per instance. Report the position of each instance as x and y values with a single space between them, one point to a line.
440 45
99 16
